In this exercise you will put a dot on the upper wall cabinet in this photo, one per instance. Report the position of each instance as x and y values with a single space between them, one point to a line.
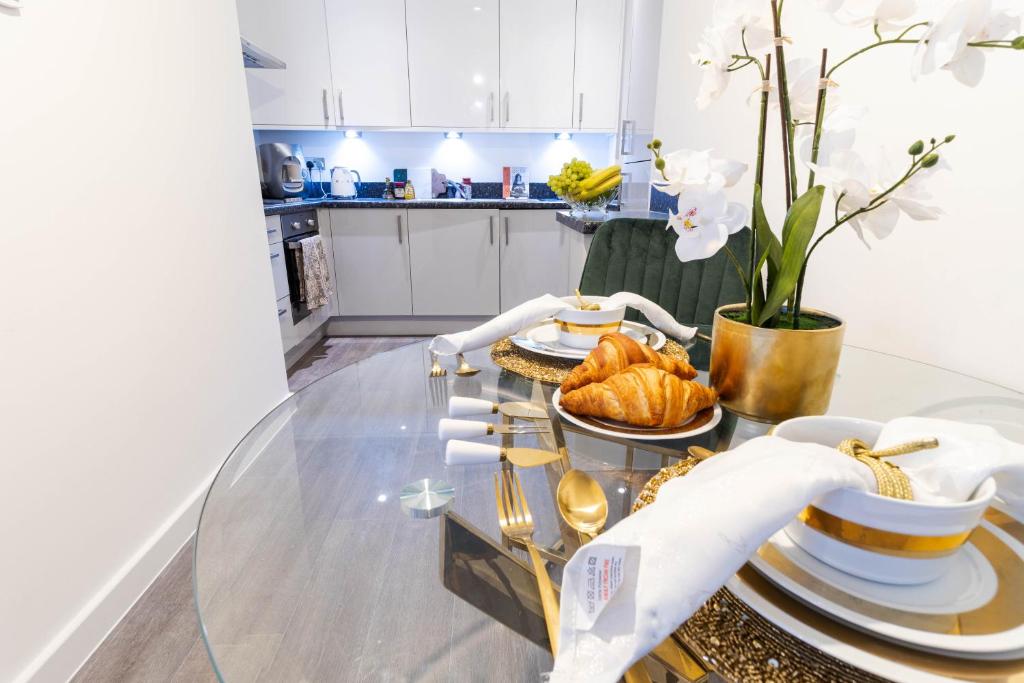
599 33
369 62
296 32
537 39
453 62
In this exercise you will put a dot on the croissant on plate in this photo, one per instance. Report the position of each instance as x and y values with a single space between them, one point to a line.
642 395
614 353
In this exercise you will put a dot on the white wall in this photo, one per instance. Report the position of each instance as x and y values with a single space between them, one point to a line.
479 156
945 292
138 340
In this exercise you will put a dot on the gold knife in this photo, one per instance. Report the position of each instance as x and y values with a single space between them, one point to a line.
460 406
474 453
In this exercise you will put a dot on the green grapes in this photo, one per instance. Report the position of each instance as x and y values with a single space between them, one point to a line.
567 183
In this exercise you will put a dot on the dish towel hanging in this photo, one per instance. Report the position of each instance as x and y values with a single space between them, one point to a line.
316 283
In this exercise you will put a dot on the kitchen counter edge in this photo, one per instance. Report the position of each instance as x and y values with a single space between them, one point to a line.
307 204
589 225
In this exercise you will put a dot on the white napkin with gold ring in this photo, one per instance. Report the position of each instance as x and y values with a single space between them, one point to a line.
668 558
543 307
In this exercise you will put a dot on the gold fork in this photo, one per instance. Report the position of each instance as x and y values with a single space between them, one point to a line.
435 369
516 522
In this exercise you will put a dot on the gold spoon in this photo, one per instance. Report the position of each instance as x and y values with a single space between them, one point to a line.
700 452
584 305
584 507
582 503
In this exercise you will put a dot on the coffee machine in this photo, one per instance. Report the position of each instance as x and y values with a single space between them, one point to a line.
282 170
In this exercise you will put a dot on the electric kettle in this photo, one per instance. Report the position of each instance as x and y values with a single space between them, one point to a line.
342 184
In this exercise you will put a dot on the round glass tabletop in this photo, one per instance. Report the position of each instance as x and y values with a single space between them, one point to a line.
307 567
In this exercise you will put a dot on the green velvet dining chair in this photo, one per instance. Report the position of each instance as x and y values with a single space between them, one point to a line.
638 255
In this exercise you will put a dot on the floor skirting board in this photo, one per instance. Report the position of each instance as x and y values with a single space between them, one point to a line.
77 640
401 325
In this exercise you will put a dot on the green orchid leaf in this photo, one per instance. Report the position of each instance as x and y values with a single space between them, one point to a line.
801 221
765 236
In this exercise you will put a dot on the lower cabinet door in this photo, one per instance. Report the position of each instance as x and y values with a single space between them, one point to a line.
534 256
454 261
371 261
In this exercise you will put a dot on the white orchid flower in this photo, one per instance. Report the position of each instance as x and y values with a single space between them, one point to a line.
945 45
704 222
838 133
713 56
745 22
688 170
855 185
888 14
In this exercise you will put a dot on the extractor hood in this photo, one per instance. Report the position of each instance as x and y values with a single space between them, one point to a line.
256 58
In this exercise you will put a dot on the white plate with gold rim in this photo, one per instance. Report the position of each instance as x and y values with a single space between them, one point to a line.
542 338
973 611
704 421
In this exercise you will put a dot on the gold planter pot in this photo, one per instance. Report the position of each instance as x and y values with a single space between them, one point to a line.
774 375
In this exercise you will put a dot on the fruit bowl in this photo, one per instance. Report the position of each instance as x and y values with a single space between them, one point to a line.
586 191
593 207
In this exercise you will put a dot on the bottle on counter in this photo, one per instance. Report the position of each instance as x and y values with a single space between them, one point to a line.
410 191
468 187
399 190
389 189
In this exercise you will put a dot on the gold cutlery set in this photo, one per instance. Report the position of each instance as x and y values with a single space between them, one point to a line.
464 369
579 498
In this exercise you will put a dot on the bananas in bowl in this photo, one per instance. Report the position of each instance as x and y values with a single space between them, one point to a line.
583 188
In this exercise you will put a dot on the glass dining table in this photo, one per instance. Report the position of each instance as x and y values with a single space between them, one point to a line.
307 567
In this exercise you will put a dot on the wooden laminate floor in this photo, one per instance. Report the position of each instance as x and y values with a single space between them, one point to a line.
158 640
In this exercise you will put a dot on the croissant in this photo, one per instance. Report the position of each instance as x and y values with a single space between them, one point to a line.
616 352
642 395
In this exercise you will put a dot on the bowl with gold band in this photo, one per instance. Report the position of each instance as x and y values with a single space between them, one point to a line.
581 329
872 536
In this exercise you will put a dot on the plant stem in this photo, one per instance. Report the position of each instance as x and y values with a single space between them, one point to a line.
819 118
736 264
902 41
754 280
780 69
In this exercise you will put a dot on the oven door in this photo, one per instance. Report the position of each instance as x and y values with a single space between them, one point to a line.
296 281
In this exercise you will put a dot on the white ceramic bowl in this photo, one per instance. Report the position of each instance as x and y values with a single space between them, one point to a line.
872 536
582 329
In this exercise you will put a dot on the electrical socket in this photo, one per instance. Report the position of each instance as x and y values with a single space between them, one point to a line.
318 162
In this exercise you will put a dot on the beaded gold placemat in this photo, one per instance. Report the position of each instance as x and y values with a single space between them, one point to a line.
552 370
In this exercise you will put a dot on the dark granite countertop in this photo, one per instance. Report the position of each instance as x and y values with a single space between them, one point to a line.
589 226
306 204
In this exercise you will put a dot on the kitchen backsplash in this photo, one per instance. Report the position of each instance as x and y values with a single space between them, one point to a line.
374 190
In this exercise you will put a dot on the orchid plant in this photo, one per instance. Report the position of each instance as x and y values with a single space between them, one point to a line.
820 132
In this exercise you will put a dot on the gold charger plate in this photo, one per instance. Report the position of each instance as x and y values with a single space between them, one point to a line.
743 645
552 370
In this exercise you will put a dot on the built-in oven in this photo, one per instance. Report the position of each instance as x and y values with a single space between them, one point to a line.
295 227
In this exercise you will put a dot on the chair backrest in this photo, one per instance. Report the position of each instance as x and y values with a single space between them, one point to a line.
638 255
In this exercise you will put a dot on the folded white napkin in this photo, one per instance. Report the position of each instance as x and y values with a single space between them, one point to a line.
542 307
626 591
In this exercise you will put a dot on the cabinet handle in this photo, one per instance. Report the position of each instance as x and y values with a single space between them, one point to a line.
271 231
579 116
327 116
627 136
399 221
490 221
490 107
508 106
341 108
277 255
506 231
281 311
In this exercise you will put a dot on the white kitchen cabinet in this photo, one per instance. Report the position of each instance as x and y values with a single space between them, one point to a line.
534 256
599 36
279 270
371 257
296 32
454 255
369 62
537 40
453 62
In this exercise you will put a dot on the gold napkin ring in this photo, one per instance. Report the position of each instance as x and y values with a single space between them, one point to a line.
892 481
